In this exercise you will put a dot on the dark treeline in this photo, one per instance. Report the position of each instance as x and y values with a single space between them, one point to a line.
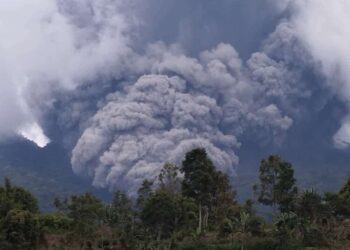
192 206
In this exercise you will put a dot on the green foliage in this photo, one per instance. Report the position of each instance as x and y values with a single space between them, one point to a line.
119 214
144 193
19 224
344 192
277 183
210 189
21 229
199 174
168 215
255 244
312 236
226 228
160 213
211 246
340 203
310 206
120 217
12 197
56 223
286 228
86 213
262 244
243 224
169 178
173 211
223 204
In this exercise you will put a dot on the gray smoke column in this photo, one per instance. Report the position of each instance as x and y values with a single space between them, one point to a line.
44 47
322 27
182 104
127 102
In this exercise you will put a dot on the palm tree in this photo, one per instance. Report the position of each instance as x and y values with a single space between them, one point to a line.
289 227
310 206
243 227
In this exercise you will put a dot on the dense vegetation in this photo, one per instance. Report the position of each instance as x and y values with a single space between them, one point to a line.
192 206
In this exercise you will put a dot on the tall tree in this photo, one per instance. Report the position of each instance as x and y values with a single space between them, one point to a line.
144 193
199 182
169 178
166 214
224 204
86 212
120 210
120 216
340 202
277 185
244 225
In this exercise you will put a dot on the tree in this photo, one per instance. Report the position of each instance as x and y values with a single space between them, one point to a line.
223 204
16 197
310 206
198 183
120 210
169 178
18 217
56 223
144 193
120 216
277 184
287 224
243 226
86 212
21 229
340 202
166 214
159 214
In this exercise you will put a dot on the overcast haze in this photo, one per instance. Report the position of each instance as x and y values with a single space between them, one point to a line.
125 86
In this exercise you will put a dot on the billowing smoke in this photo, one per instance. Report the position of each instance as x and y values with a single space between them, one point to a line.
44 47
186 103
130 88
322 27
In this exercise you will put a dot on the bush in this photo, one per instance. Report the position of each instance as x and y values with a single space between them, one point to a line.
259 244
210 246
21 229
225 228
262 244
56 223
314 238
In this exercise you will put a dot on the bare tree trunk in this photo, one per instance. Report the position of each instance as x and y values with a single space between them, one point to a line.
206 217
159 237
199 229
170 243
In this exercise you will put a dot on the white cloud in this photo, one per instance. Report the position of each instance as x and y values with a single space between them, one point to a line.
33 132
176 103
323 27
280 5
43 47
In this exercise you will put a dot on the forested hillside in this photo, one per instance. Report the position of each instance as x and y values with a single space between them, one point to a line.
192 206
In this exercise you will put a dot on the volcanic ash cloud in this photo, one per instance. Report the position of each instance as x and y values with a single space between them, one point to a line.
183 104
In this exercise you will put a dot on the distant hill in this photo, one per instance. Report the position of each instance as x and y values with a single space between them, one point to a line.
45 172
